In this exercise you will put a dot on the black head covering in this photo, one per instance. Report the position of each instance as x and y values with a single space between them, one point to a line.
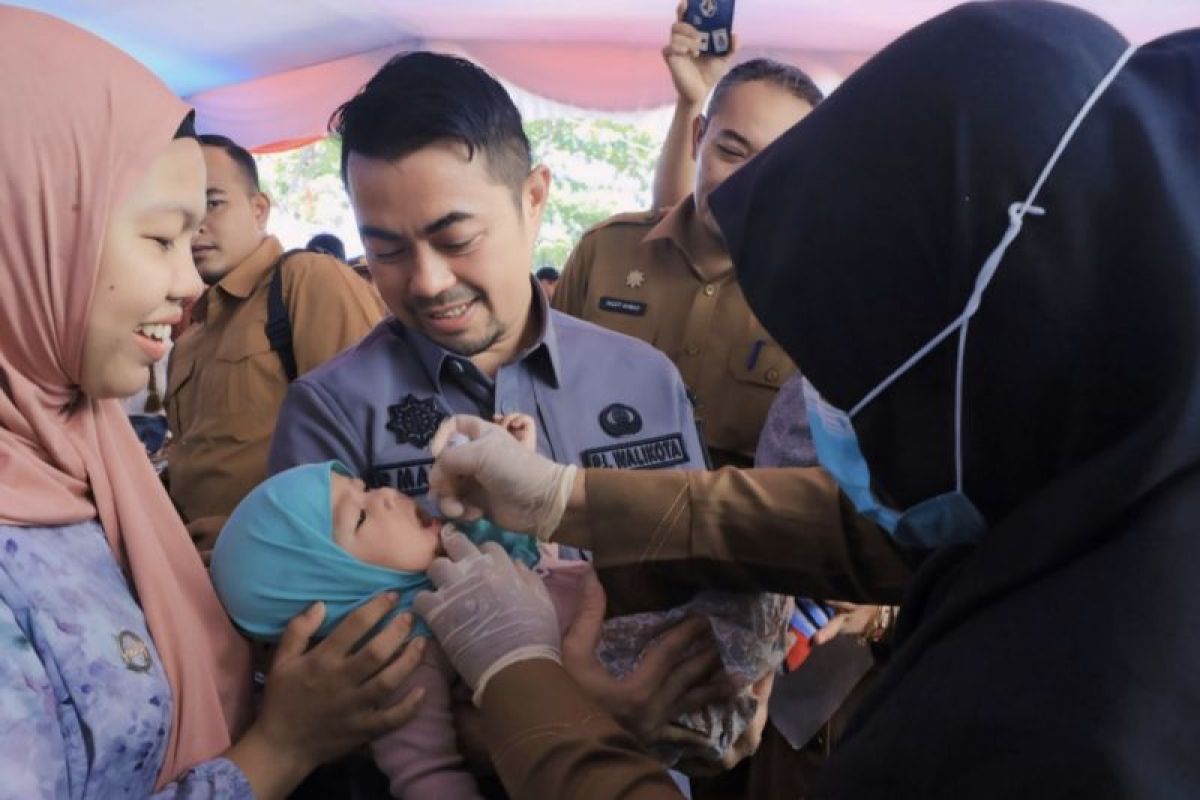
1057 656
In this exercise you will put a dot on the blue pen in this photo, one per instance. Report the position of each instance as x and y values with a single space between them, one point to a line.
812 611
755 349
803 624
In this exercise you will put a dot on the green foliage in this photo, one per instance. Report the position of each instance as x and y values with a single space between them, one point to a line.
307 183
599 167
297 167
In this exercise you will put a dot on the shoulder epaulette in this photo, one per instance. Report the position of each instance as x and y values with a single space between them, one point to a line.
642 218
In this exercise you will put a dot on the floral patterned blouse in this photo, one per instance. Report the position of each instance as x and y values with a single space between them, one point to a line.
85 707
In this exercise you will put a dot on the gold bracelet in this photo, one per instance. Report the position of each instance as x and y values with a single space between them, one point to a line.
880 626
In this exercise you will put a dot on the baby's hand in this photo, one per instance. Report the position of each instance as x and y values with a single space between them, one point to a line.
521 426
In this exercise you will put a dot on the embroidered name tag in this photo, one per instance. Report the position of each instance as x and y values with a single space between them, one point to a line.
619 306
664 451
410 477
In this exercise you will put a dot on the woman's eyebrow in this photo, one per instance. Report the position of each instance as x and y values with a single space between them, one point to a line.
190 219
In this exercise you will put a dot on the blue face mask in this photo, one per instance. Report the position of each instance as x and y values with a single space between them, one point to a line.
948 518
945 519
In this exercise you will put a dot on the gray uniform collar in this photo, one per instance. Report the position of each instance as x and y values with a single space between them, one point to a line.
541 358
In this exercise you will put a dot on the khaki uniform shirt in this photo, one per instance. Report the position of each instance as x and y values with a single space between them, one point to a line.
226 384
633 274
781 530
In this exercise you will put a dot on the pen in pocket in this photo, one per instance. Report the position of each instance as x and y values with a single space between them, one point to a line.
755 349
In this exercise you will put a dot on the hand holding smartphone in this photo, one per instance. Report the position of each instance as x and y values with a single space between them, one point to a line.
714 20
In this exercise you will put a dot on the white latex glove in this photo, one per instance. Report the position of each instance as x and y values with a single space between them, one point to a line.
488 611
490 473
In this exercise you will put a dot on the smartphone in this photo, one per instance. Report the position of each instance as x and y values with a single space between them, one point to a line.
714 20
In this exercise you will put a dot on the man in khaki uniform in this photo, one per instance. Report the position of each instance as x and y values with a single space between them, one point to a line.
226 383
665 276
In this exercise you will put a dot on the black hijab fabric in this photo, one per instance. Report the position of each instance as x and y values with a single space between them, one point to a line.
1059 656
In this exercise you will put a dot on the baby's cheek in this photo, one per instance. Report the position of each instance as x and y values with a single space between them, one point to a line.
429 552
416 552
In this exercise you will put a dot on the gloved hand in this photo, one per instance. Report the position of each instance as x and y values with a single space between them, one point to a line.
493 474
488 611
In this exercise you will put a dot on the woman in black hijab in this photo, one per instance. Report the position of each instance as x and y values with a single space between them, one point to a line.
1054 653
1011 178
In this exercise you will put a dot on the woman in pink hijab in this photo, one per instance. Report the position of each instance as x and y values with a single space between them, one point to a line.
120 674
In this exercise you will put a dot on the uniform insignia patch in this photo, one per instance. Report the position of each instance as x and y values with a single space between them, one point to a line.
415 421
410 477
631 307
620 420
635 279
657 453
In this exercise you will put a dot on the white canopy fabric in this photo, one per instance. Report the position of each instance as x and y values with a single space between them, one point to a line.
270 72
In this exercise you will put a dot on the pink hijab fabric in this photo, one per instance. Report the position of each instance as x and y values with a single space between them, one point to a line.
80 124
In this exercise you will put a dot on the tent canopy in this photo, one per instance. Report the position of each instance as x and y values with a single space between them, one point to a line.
270 72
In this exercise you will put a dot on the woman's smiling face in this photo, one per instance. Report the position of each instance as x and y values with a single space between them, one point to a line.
382 526
146 272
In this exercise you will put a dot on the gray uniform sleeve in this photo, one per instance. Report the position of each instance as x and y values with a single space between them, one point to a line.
311 428
696 451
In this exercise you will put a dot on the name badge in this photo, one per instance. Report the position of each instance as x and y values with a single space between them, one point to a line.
657 453
619 306
410 477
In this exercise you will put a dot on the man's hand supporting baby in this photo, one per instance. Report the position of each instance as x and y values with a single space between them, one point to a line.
679 672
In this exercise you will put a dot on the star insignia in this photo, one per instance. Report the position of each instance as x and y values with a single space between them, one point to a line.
635 279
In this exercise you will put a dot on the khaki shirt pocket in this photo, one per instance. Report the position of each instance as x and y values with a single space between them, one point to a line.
758 367
181 394
248 374
760 362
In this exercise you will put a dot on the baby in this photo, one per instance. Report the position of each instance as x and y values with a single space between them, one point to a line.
316 533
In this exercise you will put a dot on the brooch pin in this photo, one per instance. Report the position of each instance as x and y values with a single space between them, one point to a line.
134 652
635 279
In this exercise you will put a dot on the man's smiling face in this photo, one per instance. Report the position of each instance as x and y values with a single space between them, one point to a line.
450 246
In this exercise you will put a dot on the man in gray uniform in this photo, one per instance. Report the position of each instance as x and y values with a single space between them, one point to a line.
449 205
600 400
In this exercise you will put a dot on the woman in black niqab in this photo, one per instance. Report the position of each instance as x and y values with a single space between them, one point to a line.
1057 654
